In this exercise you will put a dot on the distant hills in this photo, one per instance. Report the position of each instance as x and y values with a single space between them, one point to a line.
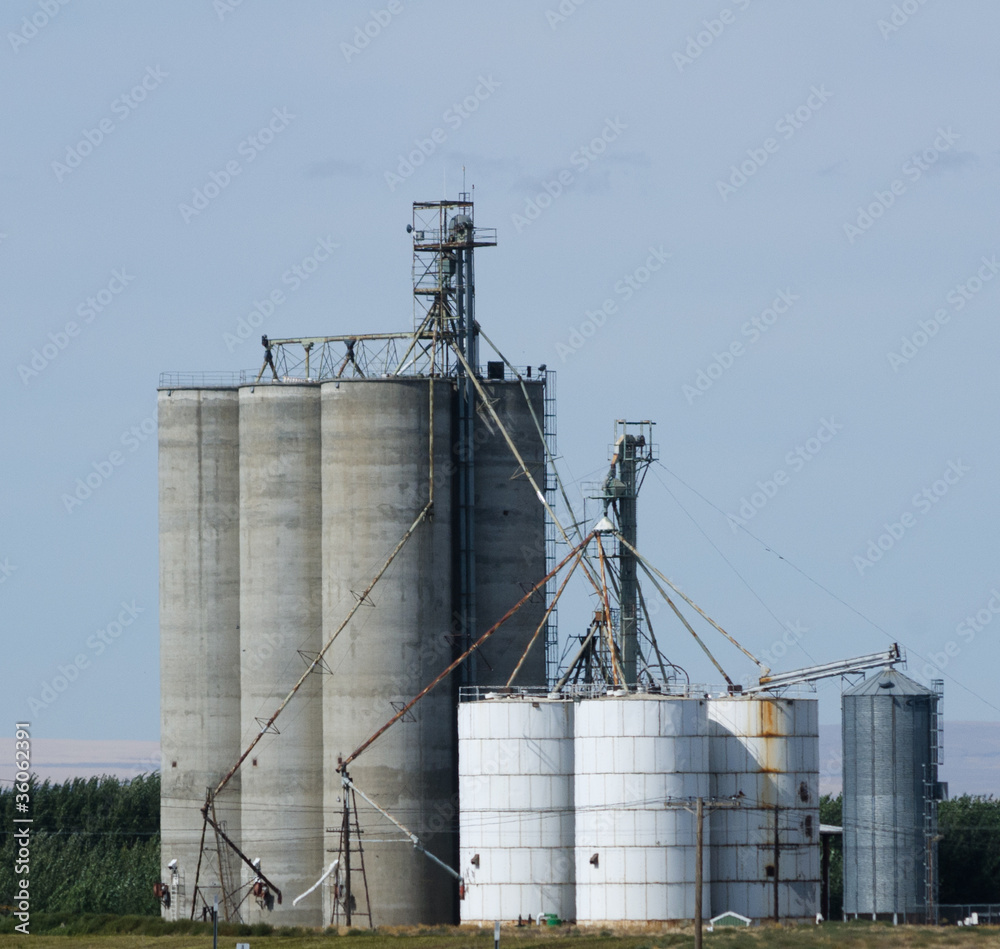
971 758
61 759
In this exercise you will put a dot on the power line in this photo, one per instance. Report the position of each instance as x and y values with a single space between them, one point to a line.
831 594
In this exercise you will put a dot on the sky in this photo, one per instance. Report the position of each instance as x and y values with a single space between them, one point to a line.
770 228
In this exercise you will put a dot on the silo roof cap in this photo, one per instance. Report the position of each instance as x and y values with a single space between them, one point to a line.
889 682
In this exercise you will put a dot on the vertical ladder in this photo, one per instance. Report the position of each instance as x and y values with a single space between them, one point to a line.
552 623
931 796
346 906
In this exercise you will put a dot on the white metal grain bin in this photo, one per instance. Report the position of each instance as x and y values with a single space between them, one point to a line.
515 759
635 858
765 854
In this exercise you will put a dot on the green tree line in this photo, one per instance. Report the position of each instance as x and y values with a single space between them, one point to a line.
968 853
95 845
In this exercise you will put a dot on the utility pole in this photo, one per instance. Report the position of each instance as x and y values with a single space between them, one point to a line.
699 808
699 875
777 865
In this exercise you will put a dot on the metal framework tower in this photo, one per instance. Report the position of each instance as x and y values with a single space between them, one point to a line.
632 454
444 294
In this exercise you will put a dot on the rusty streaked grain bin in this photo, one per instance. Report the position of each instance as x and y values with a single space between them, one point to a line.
765 854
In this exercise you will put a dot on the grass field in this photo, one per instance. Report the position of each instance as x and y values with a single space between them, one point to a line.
850 935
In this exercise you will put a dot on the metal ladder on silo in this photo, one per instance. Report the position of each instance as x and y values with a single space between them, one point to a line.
344 899
931 797
552 623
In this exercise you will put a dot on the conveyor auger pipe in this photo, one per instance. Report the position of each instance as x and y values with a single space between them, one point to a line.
830 669
414 839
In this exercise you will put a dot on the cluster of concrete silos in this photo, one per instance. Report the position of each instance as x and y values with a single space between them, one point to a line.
277 505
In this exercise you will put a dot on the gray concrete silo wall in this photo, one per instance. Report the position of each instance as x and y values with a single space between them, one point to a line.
510 534
199 619
375 464
280 613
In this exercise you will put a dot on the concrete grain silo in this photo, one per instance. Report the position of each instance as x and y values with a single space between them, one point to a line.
890 797
199 621
510 535
281 613
765 854
376 452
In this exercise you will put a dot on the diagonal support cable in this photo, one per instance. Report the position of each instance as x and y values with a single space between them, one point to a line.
319 657
465 655
541 625
692 604
687 625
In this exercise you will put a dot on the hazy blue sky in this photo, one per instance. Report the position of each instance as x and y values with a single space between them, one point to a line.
813 187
